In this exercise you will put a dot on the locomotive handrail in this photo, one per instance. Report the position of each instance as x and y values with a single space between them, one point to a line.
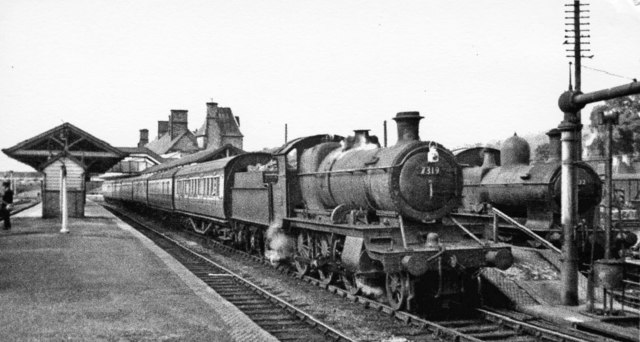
364 169
473 236
526 230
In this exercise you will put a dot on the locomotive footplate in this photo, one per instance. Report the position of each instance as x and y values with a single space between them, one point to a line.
418 260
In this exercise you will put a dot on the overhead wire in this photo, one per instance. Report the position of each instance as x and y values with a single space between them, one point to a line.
610 73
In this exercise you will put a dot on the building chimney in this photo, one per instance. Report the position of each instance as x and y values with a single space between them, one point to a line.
144 137
163 128
238 120
555 147
178 122
408 126
212 109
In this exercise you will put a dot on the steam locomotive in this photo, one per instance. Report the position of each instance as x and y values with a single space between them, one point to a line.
346 210
528 193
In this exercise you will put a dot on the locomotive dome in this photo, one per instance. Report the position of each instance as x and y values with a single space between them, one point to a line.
515 150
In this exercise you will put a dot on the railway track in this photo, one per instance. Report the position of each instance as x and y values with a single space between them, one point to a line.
480 325
281 319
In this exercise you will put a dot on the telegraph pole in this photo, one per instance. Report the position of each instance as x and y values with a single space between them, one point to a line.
575 14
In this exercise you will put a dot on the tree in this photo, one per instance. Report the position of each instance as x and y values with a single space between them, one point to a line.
541 153
626 135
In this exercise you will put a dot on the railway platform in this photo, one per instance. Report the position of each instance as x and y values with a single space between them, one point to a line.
104 281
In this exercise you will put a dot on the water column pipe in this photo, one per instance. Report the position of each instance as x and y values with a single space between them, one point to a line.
570 103
569 129
608 119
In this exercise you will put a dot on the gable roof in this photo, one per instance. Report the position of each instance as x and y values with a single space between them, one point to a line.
164 144
227 122
94 154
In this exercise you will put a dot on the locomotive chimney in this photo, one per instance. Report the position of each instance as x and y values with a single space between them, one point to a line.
408 126
361 137
144 137
555 147
489 159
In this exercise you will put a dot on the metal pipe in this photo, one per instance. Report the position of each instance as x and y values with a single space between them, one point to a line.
404 237
495 227
384 126
569 293
526 230
467 231
608 189
605 94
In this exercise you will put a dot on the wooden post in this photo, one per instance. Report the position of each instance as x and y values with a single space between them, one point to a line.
63 202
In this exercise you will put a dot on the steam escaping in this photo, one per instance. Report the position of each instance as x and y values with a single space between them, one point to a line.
280 246
361 141
369 290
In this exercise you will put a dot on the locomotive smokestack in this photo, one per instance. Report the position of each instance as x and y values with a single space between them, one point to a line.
408 126
361 136
555 147
489 159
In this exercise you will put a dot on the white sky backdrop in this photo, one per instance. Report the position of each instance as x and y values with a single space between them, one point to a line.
477 70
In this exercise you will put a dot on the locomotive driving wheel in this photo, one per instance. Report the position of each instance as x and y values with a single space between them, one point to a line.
397 286
327 251
303 249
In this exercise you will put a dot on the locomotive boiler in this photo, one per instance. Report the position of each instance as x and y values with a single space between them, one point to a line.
418 180
529 193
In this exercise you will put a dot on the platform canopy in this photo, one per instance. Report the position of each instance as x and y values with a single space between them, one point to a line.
95 155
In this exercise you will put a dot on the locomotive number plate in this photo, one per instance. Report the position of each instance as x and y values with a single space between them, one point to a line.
429 171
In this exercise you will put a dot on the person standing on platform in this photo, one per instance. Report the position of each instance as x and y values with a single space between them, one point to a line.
7 202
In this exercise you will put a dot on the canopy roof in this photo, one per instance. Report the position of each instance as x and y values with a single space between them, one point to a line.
95 155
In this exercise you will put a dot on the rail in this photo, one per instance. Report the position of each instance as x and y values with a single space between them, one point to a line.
531 233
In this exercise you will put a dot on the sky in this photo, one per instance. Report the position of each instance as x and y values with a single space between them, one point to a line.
478 71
